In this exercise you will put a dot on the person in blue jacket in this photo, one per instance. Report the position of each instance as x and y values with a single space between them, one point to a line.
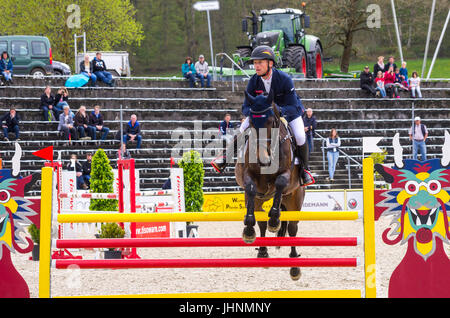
188 70
266 79
133 131
6 67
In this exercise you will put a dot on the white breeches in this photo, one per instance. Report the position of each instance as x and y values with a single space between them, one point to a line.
296 125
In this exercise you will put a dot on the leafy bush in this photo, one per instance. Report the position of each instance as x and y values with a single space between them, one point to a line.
102 181
34 232
192 165
111 230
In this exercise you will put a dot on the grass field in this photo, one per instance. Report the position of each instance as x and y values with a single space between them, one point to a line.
441 68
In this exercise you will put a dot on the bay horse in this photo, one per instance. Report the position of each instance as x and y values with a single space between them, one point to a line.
262 182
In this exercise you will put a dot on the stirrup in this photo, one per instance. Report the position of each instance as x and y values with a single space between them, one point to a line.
312 178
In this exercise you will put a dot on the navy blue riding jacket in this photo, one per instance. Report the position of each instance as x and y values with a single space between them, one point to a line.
285 96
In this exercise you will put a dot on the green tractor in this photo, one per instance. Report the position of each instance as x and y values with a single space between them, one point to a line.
284 31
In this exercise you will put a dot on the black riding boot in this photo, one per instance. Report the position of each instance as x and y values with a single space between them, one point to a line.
220 163
304 174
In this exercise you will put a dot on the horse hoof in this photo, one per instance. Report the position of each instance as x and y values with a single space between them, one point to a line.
249 236
262 254
295 273
273 228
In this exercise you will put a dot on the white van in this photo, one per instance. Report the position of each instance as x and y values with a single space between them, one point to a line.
117 63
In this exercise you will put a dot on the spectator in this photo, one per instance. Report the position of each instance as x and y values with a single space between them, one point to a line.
202 71
366 81
99 70
75 165
379 66
404 75
123 153
418 133
11 124
47 102
389 64
188 70
6 68
333 144
224 126
379 81
399 80
83 125
87 170
66 125
389 83
309 121
61 99
133 131
96 120
87 68
414 85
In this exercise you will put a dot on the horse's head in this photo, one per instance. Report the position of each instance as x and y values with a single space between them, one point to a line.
262 113
264 117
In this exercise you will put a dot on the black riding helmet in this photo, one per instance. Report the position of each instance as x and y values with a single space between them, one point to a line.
263 52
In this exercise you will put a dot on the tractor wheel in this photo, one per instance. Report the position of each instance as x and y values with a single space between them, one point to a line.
295 57
244 52
317 72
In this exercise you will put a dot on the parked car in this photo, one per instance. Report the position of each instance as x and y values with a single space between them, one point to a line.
31 55
116 62
60 68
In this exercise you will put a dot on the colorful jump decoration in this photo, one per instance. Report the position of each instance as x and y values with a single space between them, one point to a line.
419 202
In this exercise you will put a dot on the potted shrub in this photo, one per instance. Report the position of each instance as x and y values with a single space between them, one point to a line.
112 230
193 172
35 236
102 181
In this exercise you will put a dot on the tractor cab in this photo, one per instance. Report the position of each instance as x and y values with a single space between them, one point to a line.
284 31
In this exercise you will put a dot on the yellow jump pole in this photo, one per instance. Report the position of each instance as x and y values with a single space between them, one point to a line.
45 232
202 217
369 229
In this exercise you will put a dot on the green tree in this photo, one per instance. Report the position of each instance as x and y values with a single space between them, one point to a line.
102 181
108 24
193 172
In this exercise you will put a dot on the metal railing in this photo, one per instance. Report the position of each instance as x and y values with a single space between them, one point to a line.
345 155
233 63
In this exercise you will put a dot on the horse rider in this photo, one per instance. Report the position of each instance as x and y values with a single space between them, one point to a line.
268 78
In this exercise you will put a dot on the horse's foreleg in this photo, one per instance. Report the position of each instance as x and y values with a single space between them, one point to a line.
249 234
292 230
281 183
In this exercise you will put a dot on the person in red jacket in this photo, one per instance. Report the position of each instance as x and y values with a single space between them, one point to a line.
389 83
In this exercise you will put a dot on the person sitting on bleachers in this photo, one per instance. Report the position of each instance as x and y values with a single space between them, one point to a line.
11 124
61 99
133 131
100 70
379 81
188 70
389 83
404 75
389 64
224 126
96 120
123 153
66 125
414 84
75 165
379 66
87 69
6 68
366 81
47 102
83 125
399 80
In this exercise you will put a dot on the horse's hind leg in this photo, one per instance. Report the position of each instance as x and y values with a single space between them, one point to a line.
274 214
262 250
249 234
